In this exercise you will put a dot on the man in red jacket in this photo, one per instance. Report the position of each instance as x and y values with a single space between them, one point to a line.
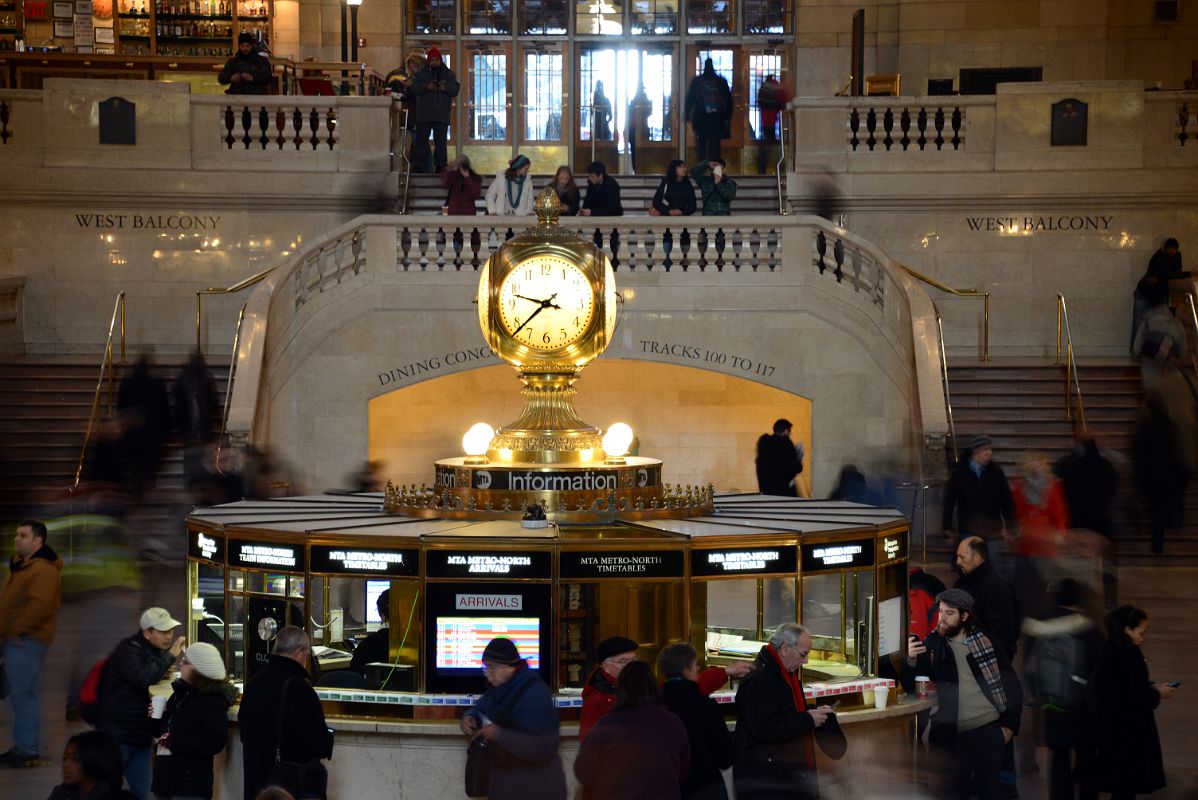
617 652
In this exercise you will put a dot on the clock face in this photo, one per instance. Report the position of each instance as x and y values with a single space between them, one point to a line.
546 303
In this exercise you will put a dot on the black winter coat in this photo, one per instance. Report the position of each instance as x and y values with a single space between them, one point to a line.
603 200
1090 483
995 606
939 664
983 504
773 738
777 464
306 736
255 64
712 745
197 722
674 195
124 710
434 106
1161 269
1129 748
634 754
101 791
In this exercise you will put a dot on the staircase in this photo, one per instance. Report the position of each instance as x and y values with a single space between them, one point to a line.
755 194
1021 406
43 417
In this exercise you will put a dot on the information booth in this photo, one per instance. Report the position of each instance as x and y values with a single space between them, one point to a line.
724 582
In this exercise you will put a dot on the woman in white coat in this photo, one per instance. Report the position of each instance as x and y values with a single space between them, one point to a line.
511 193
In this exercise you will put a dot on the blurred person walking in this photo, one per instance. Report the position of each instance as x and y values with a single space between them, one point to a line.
280 698
978 494
776 730
194 726
601 111
1043 519
29 600
137 663
1090 483
518 722
980 698
1166 451
1153 288
771 100
711 744
196 409
145 411
640 750
91 769
1129 747
779 461
1064 652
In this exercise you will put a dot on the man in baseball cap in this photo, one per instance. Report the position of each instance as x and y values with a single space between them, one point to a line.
137 663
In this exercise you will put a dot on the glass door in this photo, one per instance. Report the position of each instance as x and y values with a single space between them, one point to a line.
487 88
542 107
725 60
767 92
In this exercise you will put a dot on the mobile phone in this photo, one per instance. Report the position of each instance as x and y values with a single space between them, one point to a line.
835 705
1173 684
718 170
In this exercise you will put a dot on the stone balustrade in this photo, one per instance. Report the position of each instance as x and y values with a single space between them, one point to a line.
281 123
907 126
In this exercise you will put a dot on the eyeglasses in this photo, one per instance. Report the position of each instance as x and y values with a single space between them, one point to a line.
621 662
493 667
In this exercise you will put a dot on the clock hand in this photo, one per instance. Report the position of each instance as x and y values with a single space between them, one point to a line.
530 299
525 322
549 303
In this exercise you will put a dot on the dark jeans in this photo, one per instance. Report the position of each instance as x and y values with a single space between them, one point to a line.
970 760
422 161
709 144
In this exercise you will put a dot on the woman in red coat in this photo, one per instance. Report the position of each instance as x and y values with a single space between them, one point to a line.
1043 517
463 186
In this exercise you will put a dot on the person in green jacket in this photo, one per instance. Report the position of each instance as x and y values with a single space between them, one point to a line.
717 189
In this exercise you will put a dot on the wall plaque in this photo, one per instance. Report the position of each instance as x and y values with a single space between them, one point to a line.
118 121
1069 122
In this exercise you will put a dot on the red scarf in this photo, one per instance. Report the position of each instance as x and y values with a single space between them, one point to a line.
796 691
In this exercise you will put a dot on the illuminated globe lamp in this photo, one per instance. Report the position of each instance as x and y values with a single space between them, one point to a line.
547 305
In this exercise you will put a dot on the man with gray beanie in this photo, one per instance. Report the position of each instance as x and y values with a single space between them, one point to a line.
978 493
980 698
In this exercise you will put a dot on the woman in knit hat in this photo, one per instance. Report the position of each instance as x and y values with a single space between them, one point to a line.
520 724
511 193
194 727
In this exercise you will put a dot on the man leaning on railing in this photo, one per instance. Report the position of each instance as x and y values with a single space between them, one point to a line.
247 72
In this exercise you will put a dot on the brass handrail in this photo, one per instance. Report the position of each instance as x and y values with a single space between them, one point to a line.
1194 319
780 165
118 312
961 293
1070 366
948 403
224 417
237 287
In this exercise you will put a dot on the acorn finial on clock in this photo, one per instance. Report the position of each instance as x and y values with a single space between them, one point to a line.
548 207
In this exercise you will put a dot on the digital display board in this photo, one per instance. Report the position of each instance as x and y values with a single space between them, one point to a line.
461 640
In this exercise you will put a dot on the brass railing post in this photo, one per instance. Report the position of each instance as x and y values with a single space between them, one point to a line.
1194 320
224 417
1071 375
198 294
237 287
118 312
960 293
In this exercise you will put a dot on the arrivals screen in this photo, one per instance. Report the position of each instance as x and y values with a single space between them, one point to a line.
373 589
461 640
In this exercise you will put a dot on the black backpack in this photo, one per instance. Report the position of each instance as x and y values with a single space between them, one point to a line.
1058 672
711 92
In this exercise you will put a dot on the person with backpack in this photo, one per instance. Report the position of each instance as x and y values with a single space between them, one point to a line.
1065 648
709 108
137 663
519 724
194 726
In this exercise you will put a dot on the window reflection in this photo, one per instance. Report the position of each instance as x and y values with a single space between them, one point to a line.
545 17
488 96
488 16
766 16
543 96
709 16
761 65
601 17
654 16
430 16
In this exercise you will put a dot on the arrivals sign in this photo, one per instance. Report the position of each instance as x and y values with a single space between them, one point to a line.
365 561
488 564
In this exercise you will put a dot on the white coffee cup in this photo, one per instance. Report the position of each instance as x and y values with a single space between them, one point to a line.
157 705
881 695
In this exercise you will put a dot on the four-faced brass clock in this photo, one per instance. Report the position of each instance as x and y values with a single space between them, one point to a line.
546 303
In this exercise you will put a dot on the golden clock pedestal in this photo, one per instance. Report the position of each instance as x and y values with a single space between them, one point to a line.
547 304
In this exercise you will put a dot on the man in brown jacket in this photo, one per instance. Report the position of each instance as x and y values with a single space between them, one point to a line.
29 601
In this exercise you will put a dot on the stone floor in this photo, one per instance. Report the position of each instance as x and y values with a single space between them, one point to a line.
88 630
